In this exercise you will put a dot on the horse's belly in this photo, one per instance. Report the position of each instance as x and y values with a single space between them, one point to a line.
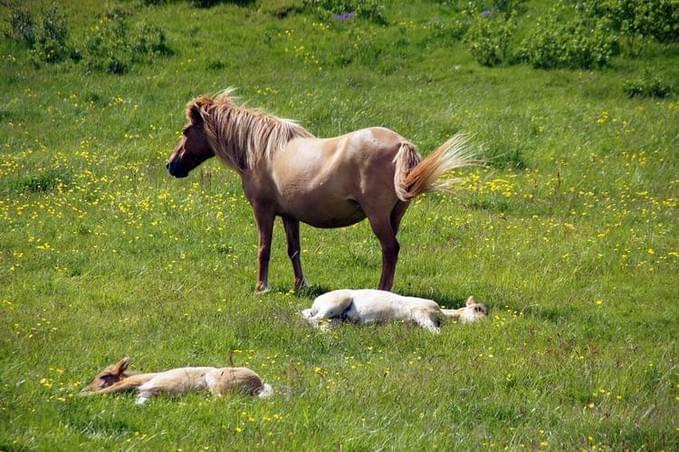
327 215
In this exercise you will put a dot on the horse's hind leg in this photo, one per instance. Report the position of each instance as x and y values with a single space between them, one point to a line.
294 250
397 214
380 221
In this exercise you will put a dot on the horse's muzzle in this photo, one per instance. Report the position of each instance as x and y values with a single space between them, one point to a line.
176 169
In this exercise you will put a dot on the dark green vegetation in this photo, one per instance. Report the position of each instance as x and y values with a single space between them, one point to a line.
569 235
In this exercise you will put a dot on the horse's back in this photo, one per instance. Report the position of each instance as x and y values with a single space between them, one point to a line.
326 181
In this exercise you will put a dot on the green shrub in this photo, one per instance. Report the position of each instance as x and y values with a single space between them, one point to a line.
658 19
456 27
486 8
21 27
508 6
489 38
204 3
555 42
647 86
108 48
372 10
151 41
112 48
452 30
211 3
281 8
51 43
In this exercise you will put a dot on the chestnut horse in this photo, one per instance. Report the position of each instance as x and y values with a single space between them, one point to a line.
324 182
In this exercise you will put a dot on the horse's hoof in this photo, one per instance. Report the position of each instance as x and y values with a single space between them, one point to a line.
262 290
303 284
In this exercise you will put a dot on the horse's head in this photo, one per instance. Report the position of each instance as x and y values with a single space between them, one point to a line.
110 375
194 147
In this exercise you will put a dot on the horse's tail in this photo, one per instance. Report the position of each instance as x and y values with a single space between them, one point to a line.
414 176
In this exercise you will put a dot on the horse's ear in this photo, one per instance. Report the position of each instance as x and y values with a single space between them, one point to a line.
470 301
194 110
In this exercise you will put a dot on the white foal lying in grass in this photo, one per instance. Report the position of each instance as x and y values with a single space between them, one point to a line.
379 306
218 381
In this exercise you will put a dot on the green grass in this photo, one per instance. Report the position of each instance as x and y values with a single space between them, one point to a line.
569 235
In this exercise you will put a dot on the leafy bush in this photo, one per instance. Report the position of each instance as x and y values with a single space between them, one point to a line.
658 19
50 43
456 27
22 27
112 48
452 30
151 40
581 43
281 8
372 10
508 6
211 3
647 86
488 39
108 48
486 8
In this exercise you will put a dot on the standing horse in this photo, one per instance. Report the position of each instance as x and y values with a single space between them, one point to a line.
324 182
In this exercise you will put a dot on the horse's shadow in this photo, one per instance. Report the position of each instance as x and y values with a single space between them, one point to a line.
309 292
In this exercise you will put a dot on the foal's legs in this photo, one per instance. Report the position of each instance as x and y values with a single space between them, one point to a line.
143 396
428 321
380 221
294 250
265 221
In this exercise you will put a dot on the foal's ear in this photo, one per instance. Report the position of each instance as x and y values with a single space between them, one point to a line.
194 109
470 301
121 366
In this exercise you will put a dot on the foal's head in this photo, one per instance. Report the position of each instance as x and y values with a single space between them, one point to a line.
110 375
473 311
194 148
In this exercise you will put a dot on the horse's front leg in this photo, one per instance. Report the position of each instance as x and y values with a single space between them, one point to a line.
294 250
265 221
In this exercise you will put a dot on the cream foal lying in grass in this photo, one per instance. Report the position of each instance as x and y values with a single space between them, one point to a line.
378 306
218 381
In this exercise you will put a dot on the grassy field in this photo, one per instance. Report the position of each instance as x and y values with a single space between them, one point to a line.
570 235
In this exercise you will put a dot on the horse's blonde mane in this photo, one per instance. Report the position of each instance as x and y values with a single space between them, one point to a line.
241 136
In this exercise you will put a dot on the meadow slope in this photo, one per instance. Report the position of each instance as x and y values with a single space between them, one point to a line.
569 234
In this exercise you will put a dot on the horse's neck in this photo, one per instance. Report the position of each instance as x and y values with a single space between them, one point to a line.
230 144
254 139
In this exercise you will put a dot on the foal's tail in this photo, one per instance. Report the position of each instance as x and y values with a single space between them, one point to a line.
414 176
265 391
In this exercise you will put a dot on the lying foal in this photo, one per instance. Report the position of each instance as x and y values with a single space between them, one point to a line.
378 306
218 381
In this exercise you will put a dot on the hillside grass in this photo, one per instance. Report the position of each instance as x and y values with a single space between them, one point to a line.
569 235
